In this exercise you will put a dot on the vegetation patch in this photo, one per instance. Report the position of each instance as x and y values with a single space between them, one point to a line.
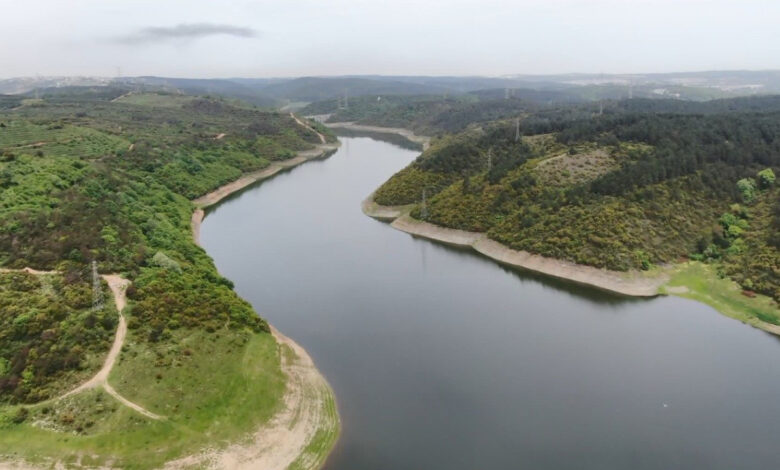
88 178
50 337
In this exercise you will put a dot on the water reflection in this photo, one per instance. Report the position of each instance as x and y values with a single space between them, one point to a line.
442 359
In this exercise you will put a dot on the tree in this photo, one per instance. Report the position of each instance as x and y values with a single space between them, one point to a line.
766 178
747 186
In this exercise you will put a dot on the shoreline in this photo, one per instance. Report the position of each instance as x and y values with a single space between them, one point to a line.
309 402
284 441
636 285
243 182
423 140
632 284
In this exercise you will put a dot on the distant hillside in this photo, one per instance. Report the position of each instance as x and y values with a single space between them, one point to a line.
192 86
268 92
316 88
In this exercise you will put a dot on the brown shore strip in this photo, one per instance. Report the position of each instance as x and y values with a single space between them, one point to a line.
309 403
632 283
423 140
250 178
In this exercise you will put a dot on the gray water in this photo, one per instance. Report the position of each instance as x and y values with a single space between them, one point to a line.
441 359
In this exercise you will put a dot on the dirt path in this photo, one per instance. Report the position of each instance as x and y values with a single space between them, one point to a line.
307 126
121 96
27 270
118 286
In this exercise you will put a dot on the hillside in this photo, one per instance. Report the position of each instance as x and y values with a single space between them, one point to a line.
109 180
644 184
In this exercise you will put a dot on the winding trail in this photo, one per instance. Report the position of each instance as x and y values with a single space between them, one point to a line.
307 126
118 286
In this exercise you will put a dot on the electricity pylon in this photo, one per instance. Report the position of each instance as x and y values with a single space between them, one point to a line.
97 289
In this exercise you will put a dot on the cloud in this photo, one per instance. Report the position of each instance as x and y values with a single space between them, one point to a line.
185 32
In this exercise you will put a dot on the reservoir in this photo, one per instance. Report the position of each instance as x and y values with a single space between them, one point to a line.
441 359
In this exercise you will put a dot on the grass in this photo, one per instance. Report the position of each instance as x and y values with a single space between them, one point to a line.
699 281
213 388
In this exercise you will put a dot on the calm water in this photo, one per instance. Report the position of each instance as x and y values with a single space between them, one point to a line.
444 360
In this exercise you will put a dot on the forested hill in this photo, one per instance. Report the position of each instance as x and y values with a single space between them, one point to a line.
92 176
639 184
437 114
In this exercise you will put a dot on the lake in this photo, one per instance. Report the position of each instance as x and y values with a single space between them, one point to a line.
440 359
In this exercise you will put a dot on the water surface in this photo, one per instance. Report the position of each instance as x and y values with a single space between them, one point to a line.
441 359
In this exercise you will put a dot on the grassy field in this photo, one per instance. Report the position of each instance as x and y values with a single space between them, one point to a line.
203 385
699 281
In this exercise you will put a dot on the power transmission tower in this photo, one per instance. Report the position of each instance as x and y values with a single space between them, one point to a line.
97 289
601 108
490 159
346 99
517 129
424 209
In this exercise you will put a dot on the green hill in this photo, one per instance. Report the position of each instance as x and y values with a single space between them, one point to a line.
645 183
87 177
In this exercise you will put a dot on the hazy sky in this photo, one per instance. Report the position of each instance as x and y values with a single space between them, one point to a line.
199 38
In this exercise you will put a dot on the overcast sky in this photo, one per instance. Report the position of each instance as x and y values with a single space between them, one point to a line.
264 38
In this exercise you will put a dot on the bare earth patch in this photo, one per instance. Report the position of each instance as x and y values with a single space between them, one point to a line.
565 169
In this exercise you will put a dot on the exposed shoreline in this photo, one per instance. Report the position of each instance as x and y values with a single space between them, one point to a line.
309 403
634 284
423 140
249 179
